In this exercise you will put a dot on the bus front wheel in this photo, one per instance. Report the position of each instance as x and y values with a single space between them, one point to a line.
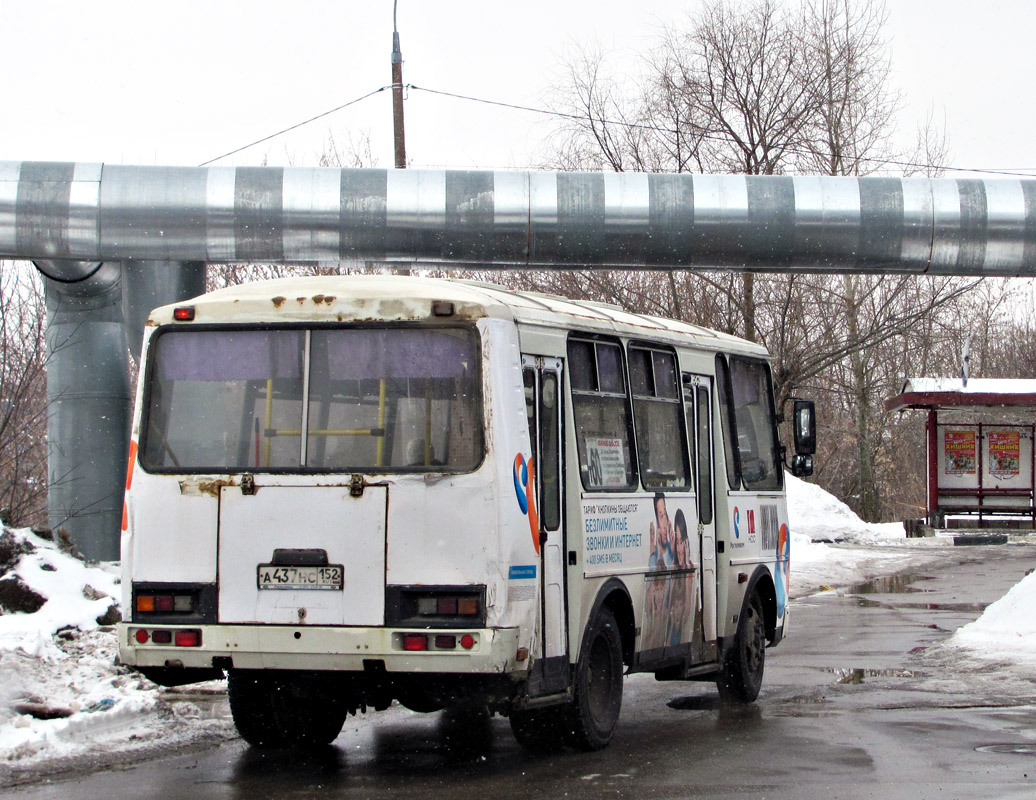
597 696
741 675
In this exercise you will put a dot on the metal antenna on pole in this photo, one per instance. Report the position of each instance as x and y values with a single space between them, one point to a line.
399 137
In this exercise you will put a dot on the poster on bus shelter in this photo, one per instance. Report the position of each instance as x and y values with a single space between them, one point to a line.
1004 456
959 447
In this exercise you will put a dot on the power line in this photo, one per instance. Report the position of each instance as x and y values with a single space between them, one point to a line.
1023 172
293 127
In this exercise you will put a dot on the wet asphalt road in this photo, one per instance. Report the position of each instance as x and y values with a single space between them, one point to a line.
859 702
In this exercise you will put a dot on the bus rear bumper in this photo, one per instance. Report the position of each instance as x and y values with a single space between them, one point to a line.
284 647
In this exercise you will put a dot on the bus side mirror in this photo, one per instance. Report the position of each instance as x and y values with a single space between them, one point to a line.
802 466
804 424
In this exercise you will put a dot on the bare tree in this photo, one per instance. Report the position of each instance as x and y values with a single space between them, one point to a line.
854 109
765 87
23 397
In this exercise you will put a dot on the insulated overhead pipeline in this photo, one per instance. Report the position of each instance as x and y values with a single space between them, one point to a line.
94 212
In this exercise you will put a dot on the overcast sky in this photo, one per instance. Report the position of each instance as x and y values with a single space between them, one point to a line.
182 83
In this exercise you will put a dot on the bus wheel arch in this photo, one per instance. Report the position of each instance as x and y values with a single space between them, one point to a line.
615 597
762 584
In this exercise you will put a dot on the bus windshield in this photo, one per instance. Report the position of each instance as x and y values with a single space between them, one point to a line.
322 400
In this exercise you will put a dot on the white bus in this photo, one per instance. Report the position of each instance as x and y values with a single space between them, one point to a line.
345 491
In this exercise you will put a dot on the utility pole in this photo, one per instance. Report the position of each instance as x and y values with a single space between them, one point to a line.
399 137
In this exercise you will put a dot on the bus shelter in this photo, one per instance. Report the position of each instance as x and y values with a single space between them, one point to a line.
979 443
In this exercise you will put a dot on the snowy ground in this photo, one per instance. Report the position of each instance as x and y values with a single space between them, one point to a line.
59 661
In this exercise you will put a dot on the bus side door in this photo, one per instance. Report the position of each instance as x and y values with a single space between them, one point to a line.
698 408
542 378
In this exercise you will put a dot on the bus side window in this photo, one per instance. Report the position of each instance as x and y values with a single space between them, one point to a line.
600 407
748 422
661 442
529 382
726 423
548 466
704 471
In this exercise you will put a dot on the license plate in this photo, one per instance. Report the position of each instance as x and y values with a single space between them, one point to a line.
329 577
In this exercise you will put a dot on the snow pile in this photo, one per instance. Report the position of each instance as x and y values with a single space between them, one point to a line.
62 693
1006 631
822 517
35 570
831 546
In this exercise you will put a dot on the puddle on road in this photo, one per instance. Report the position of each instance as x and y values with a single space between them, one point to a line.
962 608
904 583
890 584
855 676
1027 749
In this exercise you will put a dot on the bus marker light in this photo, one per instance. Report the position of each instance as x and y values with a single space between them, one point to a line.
183 313
141 636
447 605
183 602
467 641
162 637
145 602
742 577
188 639
415 641
427 606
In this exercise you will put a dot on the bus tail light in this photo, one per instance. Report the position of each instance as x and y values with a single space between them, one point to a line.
415 641
436 606
167 636
188 638
183 602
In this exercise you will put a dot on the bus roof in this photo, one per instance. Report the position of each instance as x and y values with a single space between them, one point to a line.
365 298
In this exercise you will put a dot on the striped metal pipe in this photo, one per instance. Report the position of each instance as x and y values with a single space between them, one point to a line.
94 212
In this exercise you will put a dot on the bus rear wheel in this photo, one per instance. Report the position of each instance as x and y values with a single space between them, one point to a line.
540 730
269 713
597 698
741 676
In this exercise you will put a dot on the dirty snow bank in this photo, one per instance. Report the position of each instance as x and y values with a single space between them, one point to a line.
61 692
1006 631
822 517
831 546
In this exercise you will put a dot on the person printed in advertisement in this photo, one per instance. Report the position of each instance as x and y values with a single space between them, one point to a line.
670 594
660 536
682 586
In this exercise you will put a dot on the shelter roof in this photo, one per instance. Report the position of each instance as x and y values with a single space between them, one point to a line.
934 393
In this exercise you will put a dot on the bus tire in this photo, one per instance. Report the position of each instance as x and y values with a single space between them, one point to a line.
741 675
252 709
267 714
540 730
597 696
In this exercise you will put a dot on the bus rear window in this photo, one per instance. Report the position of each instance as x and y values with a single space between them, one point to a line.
324 400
